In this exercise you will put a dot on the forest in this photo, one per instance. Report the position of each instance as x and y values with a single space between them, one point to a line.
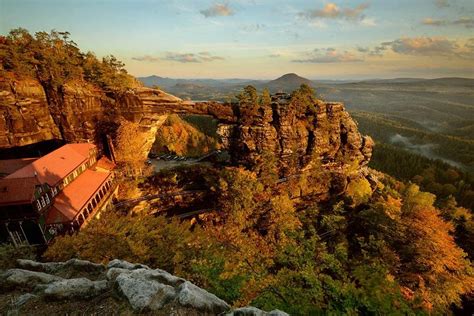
53 58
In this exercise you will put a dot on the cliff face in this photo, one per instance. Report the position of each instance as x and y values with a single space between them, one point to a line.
321 137
31 113
25 117
301 138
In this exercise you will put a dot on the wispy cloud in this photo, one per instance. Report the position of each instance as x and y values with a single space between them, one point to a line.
467 22
218 9
253 27
191 57
328 55
433 22
426 46
146 58
423 46
442 3
200 57
333 11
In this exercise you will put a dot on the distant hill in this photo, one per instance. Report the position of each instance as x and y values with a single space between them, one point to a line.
287 83
162 82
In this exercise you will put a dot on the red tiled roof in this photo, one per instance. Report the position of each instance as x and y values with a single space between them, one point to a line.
8 166
56 165
105 163
82 148
70 201
17 191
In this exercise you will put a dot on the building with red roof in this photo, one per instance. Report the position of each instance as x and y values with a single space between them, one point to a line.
54 194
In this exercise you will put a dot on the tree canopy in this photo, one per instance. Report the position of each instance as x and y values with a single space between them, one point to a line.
54 59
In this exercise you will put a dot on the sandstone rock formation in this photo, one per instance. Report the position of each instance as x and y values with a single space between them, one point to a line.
31 113
321 135
305 139
299 136
141 288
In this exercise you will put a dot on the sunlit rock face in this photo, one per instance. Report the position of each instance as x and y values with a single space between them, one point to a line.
319 139
300 137
24 114
77 111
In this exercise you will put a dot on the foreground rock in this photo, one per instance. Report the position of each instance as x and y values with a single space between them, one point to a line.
120 283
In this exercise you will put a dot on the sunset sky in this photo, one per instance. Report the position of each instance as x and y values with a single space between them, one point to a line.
264 39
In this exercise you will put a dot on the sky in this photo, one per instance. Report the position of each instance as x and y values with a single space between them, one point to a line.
263 39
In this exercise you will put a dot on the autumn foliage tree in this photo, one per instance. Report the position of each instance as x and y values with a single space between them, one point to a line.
130 148
54 59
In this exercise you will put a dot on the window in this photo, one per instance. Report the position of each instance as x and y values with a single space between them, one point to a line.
74 174
43 203
47 198
66 181
38 205
83 167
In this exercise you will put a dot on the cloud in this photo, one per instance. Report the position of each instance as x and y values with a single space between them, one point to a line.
423 46
368 22
442 3
146 58
253 27
328 55
433 22
464 21
374 51
333 11
426 46
191 57
218 9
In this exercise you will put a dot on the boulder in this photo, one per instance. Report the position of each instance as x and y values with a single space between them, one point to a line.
247 311
117 263
84 265
142 292
189 295
145 289
253 311
26 278
47 267
113 273
75 288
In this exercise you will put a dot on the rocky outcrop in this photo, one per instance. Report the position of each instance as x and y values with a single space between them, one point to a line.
300 136
143 289
78 111
304 138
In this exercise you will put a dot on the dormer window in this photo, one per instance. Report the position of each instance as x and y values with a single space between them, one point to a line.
47 199
38 205
43 203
